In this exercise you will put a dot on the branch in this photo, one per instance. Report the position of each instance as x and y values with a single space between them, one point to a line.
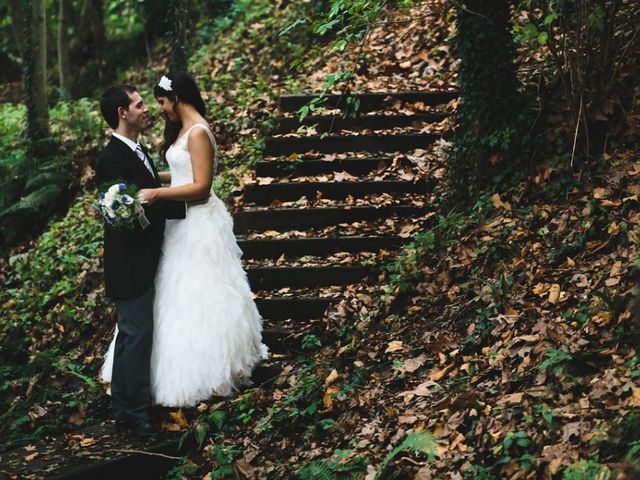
575 136
142 452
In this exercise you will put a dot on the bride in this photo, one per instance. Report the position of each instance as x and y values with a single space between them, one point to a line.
207 329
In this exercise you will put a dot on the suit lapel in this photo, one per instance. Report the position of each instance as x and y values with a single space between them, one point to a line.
132 161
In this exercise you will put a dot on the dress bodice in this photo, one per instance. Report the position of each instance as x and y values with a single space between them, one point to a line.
179 158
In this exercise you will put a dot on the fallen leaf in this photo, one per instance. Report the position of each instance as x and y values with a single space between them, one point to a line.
88 441
440 374
497 202
412 364
179 419
407 419
332 377
634 400
246 470
394 346
511 399
329 395
554 294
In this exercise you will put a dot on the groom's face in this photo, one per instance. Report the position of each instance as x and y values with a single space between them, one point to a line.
137 115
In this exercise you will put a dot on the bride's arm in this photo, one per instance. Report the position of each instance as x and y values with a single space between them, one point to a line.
201 154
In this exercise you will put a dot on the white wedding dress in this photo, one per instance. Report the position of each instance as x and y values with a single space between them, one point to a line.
207 329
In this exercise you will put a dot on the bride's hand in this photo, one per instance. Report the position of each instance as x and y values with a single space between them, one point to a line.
148 196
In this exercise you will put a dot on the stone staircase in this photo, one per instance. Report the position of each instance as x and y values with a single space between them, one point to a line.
316 198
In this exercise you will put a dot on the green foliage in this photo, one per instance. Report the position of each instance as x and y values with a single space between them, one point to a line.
310 342
586 470
224 456
342 466
302 401
476 472
555 360
182 470
516 445
36 182
407 267
47 300
419 442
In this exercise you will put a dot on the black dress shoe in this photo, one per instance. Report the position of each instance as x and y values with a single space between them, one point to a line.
144 430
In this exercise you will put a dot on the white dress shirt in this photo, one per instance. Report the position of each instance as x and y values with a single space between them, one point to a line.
138 151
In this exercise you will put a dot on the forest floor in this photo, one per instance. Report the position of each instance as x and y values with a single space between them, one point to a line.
502 345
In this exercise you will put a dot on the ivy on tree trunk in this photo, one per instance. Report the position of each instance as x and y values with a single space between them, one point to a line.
491 138
178 35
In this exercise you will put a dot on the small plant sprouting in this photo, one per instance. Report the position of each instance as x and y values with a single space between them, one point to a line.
310 342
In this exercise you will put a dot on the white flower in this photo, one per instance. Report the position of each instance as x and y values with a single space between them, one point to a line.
125 213
126 199
165 84
114 188
109 197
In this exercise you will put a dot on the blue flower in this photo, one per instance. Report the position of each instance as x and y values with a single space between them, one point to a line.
114 206
122 186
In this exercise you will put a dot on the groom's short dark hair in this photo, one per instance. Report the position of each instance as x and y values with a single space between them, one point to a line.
115 97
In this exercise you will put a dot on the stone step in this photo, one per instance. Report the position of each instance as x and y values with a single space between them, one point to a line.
309 167
297 247
266 278
368 101
265 194
275 146
295 308
285 219
336 123
277 340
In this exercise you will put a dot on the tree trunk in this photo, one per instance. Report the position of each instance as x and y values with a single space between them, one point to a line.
17 15
63 49
92 33
40 55
491 136
35 69
179 16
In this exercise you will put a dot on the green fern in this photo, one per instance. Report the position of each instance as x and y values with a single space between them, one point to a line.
74 370
341 466
217 417
201 432
34 201
47 176
317 470
422 442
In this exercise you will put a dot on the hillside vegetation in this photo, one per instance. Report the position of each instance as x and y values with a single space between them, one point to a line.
500 343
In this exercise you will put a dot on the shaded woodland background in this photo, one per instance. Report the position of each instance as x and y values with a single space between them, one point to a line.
522 289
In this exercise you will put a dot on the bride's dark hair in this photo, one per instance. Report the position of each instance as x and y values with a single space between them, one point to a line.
184 89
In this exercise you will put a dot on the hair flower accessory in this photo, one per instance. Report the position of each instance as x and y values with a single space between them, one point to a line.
165 84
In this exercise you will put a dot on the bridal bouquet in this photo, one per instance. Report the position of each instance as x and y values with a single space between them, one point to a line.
121 208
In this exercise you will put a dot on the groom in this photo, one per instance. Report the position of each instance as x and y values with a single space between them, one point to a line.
131 258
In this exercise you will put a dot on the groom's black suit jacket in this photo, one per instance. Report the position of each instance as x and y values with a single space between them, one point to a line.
131 256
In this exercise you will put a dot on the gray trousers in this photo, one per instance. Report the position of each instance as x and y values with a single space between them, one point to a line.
130 380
